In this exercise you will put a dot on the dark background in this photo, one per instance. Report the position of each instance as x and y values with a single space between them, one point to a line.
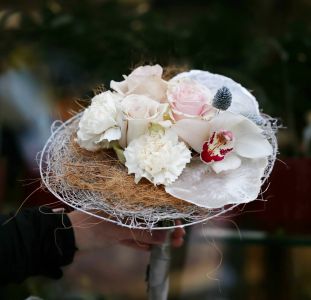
55 52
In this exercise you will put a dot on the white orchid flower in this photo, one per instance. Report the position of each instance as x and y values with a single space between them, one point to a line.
233 157
225 140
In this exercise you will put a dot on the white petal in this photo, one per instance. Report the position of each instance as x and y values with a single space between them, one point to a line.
157 156
165 124
243 102
136 128
193 131
199 185
120 87
236 123
123 127
249 141
245 126
230 162
152 87
112 134
253 146
89 145
147 70
82 135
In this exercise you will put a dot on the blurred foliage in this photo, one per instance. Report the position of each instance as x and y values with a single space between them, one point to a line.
265 45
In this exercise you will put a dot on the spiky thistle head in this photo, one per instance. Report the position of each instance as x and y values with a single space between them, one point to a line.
222 99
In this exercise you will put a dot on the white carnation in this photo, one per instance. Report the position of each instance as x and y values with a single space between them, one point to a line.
99 123
157 156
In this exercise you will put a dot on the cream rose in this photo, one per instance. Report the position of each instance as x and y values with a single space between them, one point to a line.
189 99
140 111
145 80
100 122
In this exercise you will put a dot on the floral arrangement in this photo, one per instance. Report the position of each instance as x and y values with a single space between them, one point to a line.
198 135
151 151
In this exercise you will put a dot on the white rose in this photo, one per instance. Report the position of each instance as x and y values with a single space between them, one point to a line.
157 156
144 80
100 123
140 111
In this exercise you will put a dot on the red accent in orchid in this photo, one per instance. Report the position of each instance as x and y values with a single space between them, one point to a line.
211 140
207 155
225 151
218 145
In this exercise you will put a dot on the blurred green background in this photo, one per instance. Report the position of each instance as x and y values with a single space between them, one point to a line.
54 52
265 45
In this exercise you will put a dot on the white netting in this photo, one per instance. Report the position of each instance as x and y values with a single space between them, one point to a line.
57 153
270 127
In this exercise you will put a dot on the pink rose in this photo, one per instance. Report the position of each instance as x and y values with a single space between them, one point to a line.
189 99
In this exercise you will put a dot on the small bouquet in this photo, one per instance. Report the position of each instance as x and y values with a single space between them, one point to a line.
152 150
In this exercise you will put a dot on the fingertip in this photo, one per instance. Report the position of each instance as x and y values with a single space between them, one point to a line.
179 232
176 243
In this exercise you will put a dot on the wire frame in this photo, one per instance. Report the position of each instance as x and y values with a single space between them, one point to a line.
94 204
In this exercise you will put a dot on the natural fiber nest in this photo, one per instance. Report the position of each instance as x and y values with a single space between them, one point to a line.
102 172
98 183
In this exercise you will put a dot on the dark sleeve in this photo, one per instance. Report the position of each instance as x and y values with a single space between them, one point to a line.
35 242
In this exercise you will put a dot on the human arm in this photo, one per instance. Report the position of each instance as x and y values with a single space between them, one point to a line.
34 242
40 242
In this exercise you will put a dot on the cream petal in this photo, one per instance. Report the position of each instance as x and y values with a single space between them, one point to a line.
83 136
253 146
152 87
144 80
245 126
192 131
112 134
89 144
230 162
249 141
120 87
155 70
226 121
136 128
104 124
123 140
165 124
199 185
140 106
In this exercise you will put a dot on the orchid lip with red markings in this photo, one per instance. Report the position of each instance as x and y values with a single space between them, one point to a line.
217 147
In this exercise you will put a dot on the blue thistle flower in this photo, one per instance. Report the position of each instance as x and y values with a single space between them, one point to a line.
222 99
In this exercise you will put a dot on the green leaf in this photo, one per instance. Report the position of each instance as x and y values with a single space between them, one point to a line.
119 151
